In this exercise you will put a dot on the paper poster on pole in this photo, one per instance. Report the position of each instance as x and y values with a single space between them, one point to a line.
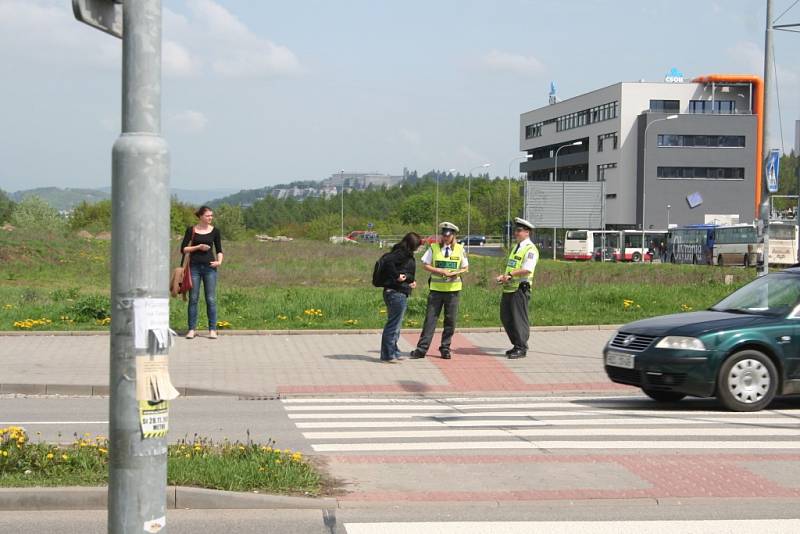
153 382
151 314
154 419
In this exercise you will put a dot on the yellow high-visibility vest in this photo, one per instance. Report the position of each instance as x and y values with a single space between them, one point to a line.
514 263
451 263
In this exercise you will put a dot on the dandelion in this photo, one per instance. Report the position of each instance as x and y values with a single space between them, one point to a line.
277 461
4 453
296 457
188 455
50 456
64 457
223 324
282 317
101 450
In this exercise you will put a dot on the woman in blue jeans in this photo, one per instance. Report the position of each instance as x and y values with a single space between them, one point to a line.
203 263
399 270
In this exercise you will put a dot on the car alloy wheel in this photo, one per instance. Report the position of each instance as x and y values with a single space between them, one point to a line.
747 381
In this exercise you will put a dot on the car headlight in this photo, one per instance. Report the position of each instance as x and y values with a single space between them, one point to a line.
681 343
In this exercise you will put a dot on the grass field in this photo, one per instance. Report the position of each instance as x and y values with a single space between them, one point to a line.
62 283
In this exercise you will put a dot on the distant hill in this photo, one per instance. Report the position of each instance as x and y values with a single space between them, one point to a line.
68 198
62 199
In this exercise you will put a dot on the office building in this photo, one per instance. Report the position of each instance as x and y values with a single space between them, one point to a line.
642 150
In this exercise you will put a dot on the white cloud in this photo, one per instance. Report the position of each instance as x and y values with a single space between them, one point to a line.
188 121
518 64
46 32
213 36
177 61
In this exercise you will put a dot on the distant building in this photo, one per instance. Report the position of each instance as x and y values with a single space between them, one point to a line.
701 160
362 180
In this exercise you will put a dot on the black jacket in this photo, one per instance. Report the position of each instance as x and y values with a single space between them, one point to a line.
399 262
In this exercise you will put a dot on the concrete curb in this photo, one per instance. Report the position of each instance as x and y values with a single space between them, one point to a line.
477 330
178 497
99 391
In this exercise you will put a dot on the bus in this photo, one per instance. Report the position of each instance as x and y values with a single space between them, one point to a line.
690 244
588 244
736 245
782 242
632 249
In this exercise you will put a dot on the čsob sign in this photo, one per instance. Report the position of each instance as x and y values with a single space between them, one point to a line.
674 76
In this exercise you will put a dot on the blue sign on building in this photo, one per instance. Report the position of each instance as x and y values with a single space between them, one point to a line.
773 170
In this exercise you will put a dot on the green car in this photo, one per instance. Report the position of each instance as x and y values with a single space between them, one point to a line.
744 351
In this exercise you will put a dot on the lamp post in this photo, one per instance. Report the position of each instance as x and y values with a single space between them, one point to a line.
341 174
668 208
436 226
563 190
526 157
469 198
644 174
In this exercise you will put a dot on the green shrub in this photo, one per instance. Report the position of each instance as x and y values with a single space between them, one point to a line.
91 307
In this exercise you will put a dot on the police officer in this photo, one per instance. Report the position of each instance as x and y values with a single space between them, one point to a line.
516 282
446 262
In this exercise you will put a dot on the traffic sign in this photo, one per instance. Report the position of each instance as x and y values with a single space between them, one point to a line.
104 15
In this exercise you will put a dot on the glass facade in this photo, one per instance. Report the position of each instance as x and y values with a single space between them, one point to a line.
701 141
702 173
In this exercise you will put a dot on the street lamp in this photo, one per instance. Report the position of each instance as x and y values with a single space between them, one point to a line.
526 157
644 174
668 208
341 174
469 198
436 229
563 190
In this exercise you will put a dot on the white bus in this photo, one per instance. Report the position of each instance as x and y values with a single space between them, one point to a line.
736 245
588 244
782 243
632 249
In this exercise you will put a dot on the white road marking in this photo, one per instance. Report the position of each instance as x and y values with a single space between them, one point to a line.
745 526
503 423
411 400
552 445
525 413
545 432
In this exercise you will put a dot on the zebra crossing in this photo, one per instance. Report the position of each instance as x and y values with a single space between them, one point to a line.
375 425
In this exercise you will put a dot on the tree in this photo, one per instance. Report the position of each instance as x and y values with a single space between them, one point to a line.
230 221
6 207
34 213
94 216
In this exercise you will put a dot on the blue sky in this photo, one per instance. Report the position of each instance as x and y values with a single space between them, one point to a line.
262 92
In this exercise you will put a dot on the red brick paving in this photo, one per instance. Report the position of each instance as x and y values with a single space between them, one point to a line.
469 371
670 476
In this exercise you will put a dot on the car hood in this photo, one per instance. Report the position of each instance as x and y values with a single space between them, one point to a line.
695 323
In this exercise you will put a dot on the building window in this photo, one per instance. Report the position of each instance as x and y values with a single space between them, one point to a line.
722 107
665 106
533 130
608 140
701 173
601 171
587 116
702 141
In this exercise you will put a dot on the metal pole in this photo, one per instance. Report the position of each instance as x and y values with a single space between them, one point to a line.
140 268
342 202
469 208
436 222
644 174
555 179
766 115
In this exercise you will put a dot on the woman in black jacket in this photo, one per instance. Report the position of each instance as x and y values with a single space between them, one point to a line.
399 270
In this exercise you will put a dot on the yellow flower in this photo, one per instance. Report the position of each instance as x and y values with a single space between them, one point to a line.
296 457
64 457
277 461
101 450
188 455
5 453
50 456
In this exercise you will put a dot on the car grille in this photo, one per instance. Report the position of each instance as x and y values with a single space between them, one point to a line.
666 379
636 342
626 376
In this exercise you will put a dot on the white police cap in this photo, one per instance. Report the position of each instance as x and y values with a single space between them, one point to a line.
522 223
448 226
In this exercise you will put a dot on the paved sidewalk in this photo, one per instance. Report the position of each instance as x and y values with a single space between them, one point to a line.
317 363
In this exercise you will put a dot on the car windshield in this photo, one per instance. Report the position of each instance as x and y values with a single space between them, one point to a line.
774 294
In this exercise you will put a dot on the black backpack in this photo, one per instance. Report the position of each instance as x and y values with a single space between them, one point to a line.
378 276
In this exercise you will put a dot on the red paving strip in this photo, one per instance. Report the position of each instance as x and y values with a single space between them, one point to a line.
470 370
677 476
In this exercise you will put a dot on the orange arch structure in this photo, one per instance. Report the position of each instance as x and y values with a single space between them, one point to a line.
758 110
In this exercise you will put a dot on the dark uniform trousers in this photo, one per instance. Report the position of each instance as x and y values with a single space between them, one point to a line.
436 301
514 315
